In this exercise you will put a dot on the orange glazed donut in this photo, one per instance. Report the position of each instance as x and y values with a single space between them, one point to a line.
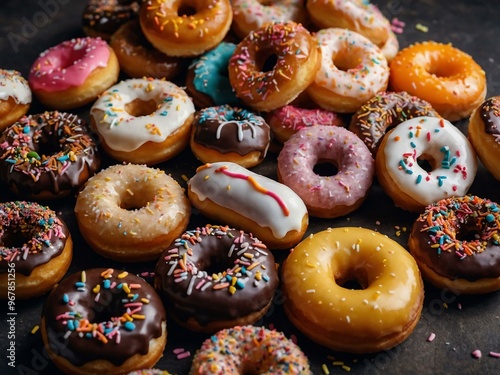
15 97
449 79
377 316
178 34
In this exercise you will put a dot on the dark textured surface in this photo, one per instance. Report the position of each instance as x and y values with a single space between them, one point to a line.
461 324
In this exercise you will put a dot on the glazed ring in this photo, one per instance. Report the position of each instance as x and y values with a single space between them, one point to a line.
297 61
452 160
332 195
177 34
15 97
456 244
108 322
449 79
30 171
235 350
36 249
216 277
377 316
131 212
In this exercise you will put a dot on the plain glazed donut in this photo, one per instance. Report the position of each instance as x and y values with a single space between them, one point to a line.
216 277
103 321
448 255
452 160
131 212
380 315
353 70
36 249
15 97
449 79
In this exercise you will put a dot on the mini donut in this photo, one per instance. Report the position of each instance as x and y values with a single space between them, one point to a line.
327 196
484 134
448 78
131 212
385 111
36 249
233 134
456 244
177 32
15 97
149 371
249 349
378 316
47 156
143 121
103 321
353 70
216 277
272 65
73 73
452 161
229 193
138 58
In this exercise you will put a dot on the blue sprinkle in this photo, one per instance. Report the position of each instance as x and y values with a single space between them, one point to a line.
11 161
106 283
42 222
412 144
79 284
26 129
63 158
71 325
120 286
164 113
265 277
419 179
65 298
51 221
490 218
129 326
240 284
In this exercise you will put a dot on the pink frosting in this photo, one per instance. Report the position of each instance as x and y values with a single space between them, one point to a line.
295 118
68 64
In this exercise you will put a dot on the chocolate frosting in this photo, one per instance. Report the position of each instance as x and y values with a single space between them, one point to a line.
107 16
78 294
489 113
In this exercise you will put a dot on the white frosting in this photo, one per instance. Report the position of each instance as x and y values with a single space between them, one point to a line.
122 131
13 85
258 14
239 195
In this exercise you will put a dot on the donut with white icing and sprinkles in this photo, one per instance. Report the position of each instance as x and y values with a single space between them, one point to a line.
15 97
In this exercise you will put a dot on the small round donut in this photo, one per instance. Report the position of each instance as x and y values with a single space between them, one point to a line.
103 321
456 244
272 65
484 134
249 349
327 196
47 156
15 97
452 162
36 249
149 371
377 316
385 111
448 78
73 73
131 212
353 70
143 121
216 277
233 134
185 28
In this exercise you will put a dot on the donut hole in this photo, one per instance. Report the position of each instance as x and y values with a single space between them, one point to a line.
186 10
215 264
109 306
346 61
443 70
326 168
135 200
427 163
470 231
266 60
138 107
15 238
352 280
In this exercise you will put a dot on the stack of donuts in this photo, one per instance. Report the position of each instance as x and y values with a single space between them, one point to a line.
325 87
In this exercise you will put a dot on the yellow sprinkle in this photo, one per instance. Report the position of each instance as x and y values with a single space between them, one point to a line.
123 274
338 363
346 368
130 192
248 255
421 28
138 317
445 305
232 289
325 369
228 187
128 317
97 288
144 300
258 276
83 277
185 178
126 288
35 329
206 177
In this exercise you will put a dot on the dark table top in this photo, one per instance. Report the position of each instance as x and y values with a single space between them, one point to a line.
461 324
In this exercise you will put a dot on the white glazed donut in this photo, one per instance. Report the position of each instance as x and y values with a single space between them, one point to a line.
15 97
442 145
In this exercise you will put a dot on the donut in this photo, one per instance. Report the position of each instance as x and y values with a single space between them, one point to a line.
378 315
138 58
131 212
185 28
216 277
456 244
240 349
451 162
448 78
15 97
272 65
385 111
391 47
143 121
47 156
149 371
73 73
229 193
103 321
36 249
484 134
226 133
331 195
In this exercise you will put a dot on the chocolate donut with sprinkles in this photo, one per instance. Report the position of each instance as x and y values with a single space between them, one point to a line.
216 277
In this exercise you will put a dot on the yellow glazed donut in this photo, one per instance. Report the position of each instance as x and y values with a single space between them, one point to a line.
380 315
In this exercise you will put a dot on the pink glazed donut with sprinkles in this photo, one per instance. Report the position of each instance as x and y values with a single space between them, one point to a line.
327 196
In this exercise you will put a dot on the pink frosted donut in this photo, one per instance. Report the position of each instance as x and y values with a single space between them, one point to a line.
327 196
